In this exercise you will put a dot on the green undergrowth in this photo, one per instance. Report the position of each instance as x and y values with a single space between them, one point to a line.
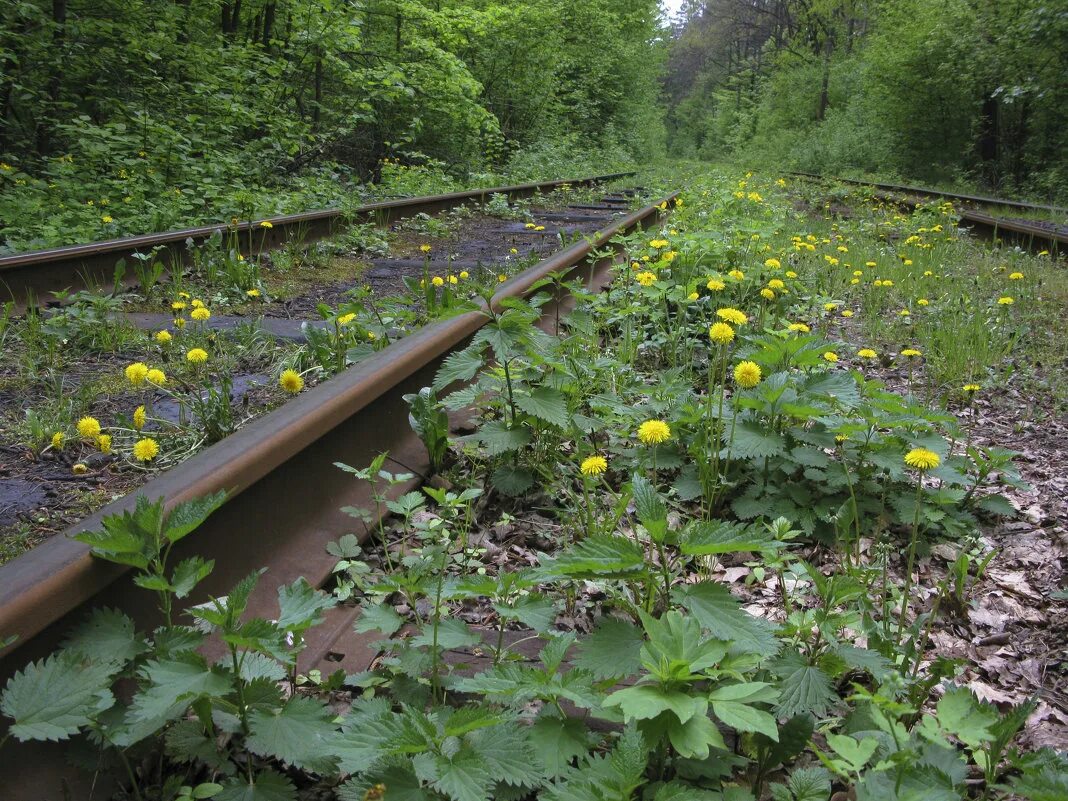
705 410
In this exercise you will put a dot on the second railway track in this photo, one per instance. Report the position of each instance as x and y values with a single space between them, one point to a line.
989 215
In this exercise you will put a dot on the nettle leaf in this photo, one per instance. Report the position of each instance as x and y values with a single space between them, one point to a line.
651 509
401 785
751 441
452 633
464 777
301 606
962 714
268 786
810 784
534 611
546 404
186 517
52 699
378 617
558 741
497 438
189 573
714 537
803 688
462 365
717 610
107 636
253 666
597 557
612 651
839 386
512 481
298 734
187 742
677 791
855 753
174 684
507 754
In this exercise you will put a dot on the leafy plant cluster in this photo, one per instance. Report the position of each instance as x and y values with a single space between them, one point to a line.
610 663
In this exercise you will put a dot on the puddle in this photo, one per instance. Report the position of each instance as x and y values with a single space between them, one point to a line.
171 411
18 497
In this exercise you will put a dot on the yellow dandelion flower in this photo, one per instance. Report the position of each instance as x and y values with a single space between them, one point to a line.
645 278
178 305
437 280
514 251
179 323
737 275
266 224
866 353
791 274
197 304
157 377
866 264
715 285
747 375
345 319
136 373
593 465
732 316
776 283
767 294
424 248
139 418
830 356
103 442
774 264
291 381
847 313
163 337
1015 276
200 315
693 296
911 353
923 302
804 329
971 388
658 243
502 278
89 427
253 293
196 356
1005 300
922 459
830 306
464 275
653 432
145 450
453 280
721 333
79 469
57 440
888 282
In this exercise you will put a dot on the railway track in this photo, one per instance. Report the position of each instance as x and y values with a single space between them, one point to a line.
37 273
974 212
285 495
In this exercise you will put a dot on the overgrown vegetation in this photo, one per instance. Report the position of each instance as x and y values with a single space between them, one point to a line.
756 394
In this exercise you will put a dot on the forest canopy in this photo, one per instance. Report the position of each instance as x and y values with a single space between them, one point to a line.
966 91
172 111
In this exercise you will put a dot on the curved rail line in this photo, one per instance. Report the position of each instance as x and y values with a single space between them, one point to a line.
24 276
1029 233
284 502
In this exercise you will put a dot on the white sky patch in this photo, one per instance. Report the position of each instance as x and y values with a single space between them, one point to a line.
671 7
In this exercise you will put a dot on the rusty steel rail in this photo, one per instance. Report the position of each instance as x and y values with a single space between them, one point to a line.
1030 233
30 275
979 200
